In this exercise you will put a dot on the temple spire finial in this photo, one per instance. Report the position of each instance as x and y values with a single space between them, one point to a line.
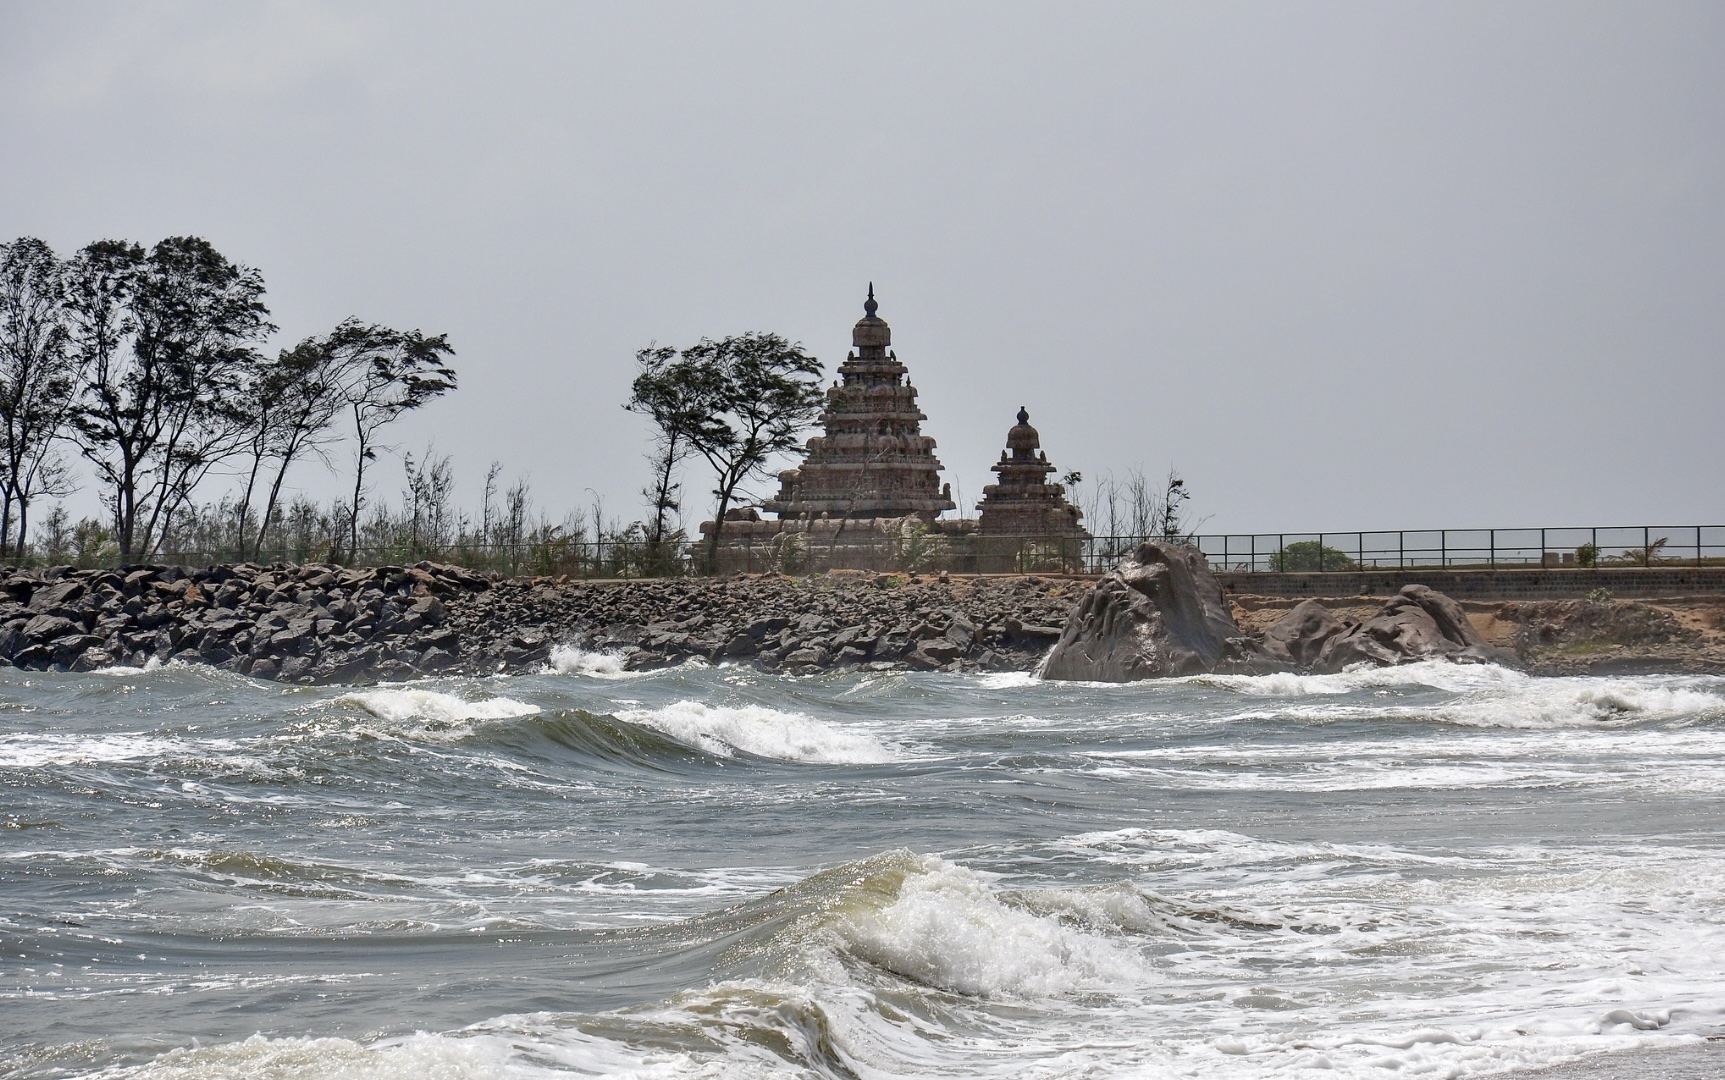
869 306
1023 415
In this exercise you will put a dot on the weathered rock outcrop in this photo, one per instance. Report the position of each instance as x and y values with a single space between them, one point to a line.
1299 637
1161 612
1419 623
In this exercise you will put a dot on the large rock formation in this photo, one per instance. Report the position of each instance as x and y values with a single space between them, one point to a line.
1299 637
1419 623
1159 613
1162 613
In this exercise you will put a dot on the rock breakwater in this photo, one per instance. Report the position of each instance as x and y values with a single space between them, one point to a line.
321 624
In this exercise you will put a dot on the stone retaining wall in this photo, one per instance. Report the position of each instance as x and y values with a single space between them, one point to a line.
1622 582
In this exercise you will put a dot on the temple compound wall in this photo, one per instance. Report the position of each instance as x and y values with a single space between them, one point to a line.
868 493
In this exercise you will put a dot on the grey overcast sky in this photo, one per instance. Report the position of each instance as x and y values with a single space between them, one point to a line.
1345 265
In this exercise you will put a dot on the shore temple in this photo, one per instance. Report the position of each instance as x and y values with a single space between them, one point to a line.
873 461
869 490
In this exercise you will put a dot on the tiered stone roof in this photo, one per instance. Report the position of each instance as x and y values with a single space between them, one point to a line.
1024 502
873 460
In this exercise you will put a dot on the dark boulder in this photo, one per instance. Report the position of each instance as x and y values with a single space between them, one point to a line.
54 597
48 627
1161 612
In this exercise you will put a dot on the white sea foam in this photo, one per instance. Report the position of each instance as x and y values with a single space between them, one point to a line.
754 729
1481 695
428 713
154 663
1007 680
24 751
948 928
1435 674
1577 703
415 1057
569 660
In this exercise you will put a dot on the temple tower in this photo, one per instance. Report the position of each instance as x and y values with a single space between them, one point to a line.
1023 502
873 460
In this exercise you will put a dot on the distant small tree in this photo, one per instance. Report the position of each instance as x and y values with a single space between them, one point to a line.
1308 556
1647 555
1171 520
57 533
426 502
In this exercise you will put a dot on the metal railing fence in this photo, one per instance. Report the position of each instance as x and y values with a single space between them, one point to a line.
967 552
1583 547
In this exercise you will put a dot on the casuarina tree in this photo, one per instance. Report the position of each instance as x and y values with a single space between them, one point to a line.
37 380
294 403
742 400
682 398
383 374
164 342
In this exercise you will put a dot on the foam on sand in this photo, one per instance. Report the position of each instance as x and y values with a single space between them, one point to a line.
722 730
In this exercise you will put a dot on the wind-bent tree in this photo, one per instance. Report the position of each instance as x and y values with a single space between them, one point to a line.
758 392
36 383
383 374
294 403
681 397
164 344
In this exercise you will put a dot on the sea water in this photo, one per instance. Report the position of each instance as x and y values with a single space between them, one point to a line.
1427 871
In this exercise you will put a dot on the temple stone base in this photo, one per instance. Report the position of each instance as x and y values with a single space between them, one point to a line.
885 545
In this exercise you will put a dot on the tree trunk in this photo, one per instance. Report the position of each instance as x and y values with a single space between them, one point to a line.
23 523
725 490
6 522
353 511
270 508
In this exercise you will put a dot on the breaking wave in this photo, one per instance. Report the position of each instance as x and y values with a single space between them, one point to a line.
950 929
724 730
569 660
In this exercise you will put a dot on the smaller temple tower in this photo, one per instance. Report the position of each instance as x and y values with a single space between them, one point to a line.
1024 502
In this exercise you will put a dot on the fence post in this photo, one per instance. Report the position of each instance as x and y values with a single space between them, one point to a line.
1320 553
1646 546
1697 547
1443 548
1543 562
1491 542
1401 550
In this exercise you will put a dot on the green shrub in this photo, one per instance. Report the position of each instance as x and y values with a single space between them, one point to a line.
1307 556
